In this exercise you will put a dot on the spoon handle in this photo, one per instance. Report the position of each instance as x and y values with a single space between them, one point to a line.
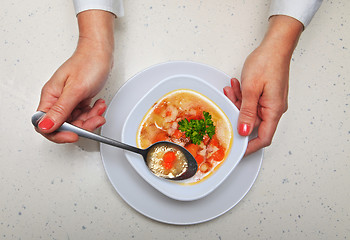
86 134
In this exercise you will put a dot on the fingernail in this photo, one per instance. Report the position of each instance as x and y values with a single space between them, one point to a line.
46 124
244 129
101 111
100 125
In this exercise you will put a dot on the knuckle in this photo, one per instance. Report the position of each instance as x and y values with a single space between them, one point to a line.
266 142
248 113
58 110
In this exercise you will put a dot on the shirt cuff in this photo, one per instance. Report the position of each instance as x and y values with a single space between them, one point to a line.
114 6
302 10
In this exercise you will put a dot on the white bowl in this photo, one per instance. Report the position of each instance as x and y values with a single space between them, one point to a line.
172 189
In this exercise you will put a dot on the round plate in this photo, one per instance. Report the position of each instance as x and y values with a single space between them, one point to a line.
134 189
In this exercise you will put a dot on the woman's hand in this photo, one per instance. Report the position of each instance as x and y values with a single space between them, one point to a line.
263 95
68 94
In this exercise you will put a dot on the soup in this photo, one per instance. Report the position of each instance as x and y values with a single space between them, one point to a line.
167 161
193 121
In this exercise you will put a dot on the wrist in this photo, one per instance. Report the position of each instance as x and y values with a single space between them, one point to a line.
282 35
96 31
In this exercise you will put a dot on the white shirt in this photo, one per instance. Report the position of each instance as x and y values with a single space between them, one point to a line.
302 10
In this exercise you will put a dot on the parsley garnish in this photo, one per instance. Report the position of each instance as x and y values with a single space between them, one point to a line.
196 129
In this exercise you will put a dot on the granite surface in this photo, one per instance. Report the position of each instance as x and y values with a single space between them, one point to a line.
50 191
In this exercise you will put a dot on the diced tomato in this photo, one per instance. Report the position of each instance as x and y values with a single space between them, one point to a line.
205 167
218 155
199 159
192 148
161 136
213 142
177 134
206 139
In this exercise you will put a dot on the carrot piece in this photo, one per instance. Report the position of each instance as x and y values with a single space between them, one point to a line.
192 148
218 155
167 165
199 159
169 156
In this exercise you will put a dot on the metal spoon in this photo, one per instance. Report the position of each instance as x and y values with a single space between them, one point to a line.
191 162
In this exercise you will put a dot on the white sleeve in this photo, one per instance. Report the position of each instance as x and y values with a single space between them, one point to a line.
113 6
302 10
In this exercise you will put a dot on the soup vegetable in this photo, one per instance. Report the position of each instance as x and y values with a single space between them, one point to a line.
167 161
193 121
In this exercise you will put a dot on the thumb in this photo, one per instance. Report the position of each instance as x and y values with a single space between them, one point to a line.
247 114
59 112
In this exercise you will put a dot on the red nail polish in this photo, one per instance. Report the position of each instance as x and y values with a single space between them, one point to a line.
46 124
101 111
243 129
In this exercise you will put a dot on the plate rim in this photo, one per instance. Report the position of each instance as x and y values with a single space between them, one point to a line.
127 198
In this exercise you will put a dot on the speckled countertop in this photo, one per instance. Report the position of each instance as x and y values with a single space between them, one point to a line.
50 191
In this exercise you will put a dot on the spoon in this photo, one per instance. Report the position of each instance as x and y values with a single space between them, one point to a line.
190 170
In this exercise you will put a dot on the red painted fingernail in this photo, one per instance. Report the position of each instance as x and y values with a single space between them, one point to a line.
243 129
46 124
101 111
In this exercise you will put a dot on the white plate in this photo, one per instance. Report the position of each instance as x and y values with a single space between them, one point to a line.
183 192
137 192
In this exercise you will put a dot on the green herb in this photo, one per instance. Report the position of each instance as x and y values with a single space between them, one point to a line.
197 129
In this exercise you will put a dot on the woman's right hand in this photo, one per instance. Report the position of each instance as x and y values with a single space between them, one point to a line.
69 92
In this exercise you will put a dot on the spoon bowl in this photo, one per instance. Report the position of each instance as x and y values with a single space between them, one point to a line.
190 168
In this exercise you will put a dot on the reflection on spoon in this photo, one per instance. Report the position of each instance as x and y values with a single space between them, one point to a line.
183 166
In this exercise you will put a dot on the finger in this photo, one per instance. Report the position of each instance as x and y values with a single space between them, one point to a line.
98 109
236 88
248 112
61 110
229 93
266 131
61 137
90 124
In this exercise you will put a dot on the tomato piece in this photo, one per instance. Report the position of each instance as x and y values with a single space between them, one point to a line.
192 148
206 139
161 136
199 159
214 142
218 155
177 134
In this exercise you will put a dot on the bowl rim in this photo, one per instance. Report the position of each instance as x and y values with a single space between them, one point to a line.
203 188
